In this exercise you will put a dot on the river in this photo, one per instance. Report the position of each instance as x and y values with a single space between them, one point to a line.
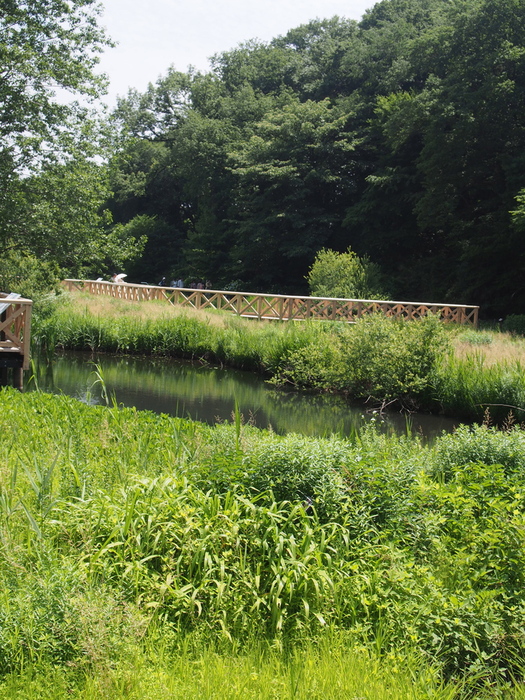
210 394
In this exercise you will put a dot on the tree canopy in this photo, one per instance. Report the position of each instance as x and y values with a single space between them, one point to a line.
48 50
52 189
401 136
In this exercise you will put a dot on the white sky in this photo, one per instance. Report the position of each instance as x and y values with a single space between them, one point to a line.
154 34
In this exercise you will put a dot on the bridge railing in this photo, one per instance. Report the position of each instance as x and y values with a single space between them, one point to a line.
277 307
15 327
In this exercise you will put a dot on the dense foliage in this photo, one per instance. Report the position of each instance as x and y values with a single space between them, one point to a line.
344 275
401 136
120 526
53 185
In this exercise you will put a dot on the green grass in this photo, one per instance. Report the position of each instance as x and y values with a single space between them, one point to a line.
147 554
328 672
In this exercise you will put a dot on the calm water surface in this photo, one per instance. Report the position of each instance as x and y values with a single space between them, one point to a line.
209 394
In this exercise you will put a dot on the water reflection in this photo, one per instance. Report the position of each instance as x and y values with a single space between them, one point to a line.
209 394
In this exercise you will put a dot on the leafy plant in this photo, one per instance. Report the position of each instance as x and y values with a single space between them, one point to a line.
514 323
344 275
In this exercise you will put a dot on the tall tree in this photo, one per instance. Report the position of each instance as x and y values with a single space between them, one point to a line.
48 51
48 56
294 176
448 141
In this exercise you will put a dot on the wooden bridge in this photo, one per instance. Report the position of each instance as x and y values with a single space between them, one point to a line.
15 332
277 307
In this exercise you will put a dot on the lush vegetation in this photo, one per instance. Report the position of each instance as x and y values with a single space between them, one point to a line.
143 556
136 547
422 365
53 183
400 136
344 276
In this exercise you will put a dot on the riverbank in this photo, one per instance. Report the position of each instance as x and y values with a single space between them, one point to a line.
427 366
135 546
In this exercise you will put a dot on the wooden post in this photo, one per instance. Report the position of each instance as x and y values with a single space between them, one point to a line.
18 378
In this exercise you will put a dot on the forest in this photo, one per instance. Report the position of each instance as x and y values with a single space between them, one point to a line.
400 136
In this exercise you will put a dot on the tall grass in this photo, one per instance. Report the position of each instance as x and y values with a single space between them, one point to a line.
470 388
122 532
233 341
326 672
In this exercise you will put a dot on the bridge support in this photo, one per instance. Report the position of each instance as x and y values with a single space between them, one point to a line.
12 371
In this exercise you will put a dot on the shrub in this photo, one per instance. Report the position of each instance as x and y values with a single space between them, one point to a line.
390 359
344 275
311 366
28 276
299 469
479 443
515 323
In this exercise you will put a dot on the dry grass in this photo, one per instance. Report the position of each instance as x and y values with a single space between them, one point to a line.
495 347
109 307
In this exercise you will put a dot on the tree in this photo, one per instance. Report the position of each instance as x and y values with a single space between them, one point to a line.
401 136
344 276
294 177
51 191
48 51
61 220
445 143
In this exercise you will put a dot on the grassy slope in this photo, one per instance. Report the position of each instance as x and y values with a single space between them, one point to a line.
495 347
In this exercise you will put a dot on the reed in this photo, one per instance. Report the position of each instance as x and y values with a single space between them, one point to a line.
471 388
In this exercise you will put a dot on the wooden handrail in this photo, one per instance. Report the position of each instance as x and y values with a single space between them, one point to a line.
15 326
277 307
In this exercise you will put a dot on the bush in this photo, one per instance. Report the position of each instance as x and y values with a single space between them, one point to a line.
344 276
27 276
390 359
479 444
311 366
515 323
299 469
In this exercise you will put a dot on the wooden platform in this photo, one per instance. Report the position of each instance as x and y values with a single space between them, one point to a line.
15 334
277 307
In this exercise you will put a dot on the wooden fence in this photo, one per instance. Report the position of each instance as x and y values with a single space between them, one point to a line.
15 334
277 307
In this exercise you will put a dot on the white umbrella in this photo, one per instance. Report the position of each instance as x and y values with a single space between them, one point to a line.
120 278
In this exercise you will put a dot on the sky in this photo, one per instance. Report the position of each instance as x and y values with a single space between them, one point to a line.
152 35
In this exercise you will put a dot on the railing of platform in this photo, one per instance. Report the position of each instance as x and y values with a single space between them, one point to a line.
15 326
